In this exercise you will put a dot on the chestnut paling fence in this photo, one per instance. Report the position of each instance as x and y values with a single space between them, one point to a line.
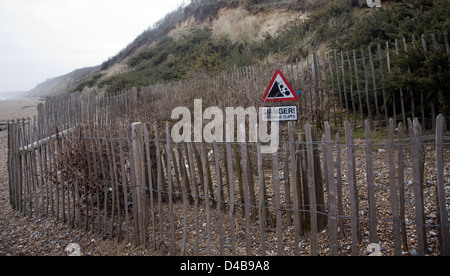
317 195
88 162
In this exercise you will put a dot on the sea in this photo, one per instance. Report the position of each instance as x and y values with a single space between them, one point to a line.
5 95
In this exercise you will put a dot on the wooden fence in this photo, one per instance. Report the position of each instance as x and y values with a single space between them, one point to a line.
82 161
316 195
374 83
356 85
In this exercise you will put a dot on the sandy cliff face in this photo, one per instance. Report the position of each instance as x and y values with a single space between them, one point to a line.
242 24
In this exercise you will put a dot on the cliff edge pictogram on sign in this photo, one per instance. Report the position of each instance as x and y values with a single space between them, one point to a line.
279 90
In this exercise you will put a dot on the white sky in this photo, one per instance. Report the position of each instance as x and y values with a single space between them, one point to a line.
41 39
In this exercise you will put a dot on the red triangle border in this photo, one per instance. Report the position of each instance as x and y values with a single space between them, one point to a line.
294 98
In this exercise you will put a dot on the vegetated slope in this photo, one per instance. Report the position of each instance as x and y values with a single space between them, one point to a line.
214 38
215 35
220 32
63 83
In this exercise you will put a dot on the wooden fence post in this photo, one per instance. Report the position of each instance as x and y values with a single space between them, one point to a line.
394 191
196 195
138 190
151 188
329 174
401 183
84 111
353 193
373 223
415 132
262 204
311 188
246 182
220 198
170 184
295 188
276 190
340 208
443 217
204 162
159 176
322 218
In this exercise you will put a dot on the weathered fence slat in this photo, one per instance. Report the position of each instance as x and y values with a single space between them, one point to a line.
246 183
394 191
159 169
373 223
366 81
353 192
184 187
138 189
124 183
441 202
262 205
332 198
232 197
276 190
196 196
151 188
220 199
312 190
401 184
171 192
207 198
340 208
417 160
295 188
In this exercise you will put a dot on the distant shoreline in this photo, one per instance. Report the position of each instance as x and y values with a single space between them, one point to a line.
13 94
18 108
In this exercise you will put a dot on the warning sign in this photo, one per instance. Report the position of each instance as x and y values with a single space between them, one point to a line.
279 114
279 90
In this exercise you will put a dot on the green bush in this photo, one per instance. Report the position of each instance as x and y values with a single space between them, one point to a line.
410 17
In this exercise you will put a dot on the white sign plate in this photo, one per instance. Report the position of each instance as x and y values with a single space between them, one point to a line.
279 113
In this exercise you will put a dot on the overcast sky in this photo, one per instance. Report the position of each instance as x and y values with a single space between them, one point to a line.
41 39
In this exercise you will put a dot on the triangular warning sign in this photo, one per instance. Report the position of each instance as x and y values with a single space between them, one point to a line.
279 90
